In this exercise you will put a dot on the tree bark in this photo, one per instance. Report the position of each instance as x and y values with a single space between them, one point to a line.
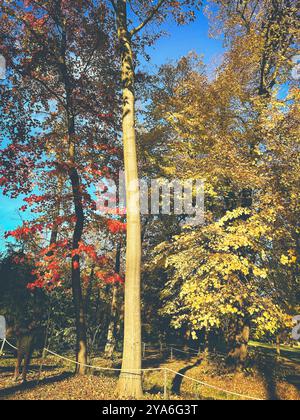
81 339
111 333
238 355
130 383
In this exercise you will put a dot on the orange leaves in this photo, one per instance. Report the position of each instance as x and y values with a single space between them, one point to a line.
35 199
48 273
110 278
34 22
76 265
24 232
115 227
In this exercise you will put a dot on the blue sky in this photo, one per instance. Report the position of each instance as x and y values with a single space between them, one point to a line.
183 39
179 42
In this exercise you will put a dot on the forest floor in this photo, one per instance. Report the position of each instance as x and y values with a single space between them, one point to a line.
264 378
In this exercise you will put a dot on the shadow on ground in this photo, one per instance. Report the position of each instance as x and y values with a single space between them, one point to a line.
4 393
177 382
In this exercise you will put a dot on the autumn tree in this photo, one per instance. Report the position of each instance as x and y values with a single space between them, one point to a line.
58 72
219 273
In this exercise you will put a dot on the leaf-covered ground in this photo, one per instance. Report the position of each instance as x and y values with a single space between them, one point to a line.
264 379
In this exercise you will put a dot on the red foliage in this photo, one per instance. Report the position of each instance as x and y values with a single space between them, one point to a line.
3 181
114 226
24 232
34 22
35 199
110 278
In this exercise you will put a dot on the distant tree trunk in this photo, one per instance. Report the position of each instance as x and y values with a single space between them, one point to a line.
54 231
111 333
130 383
278 349
187 341
88 294
206 342
112 327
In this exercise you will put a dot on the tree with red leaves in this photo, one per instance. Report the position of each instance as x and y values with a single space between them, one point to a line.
60 125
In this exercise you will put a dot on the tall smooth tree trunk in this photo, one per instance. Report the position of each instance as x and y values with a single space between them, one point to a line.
130 382
112 327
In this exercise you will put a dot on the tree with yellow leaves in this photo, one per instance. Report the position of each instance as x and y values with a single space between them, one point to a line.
240 270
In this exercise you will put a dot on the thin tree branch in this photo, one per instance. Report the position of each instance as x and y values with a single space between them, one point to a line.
152 13
114 6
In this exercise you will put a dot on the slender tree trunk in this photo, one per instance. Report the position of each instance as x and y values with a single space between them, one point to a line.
78 300
54 231
278 348
130 383
89 291
206 342
111 334
81 339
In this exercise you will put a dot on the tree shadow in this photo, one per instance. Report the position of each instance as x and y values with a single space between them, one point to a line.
267 370
294 380
34 368
177 382
33 384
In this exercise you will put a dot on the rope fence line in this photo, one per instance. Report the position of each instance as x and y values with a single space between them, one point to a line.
185 352
213 386
5 341
168 347
157 369
100 367
140 371
172 347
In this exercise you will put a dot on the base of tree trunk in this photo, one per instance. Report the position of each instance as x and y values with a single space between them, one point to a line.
130 386
81 358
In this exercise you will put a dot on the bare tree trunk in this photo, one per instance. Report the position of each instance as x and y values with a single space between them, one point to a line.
59 192
111 334
130 383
